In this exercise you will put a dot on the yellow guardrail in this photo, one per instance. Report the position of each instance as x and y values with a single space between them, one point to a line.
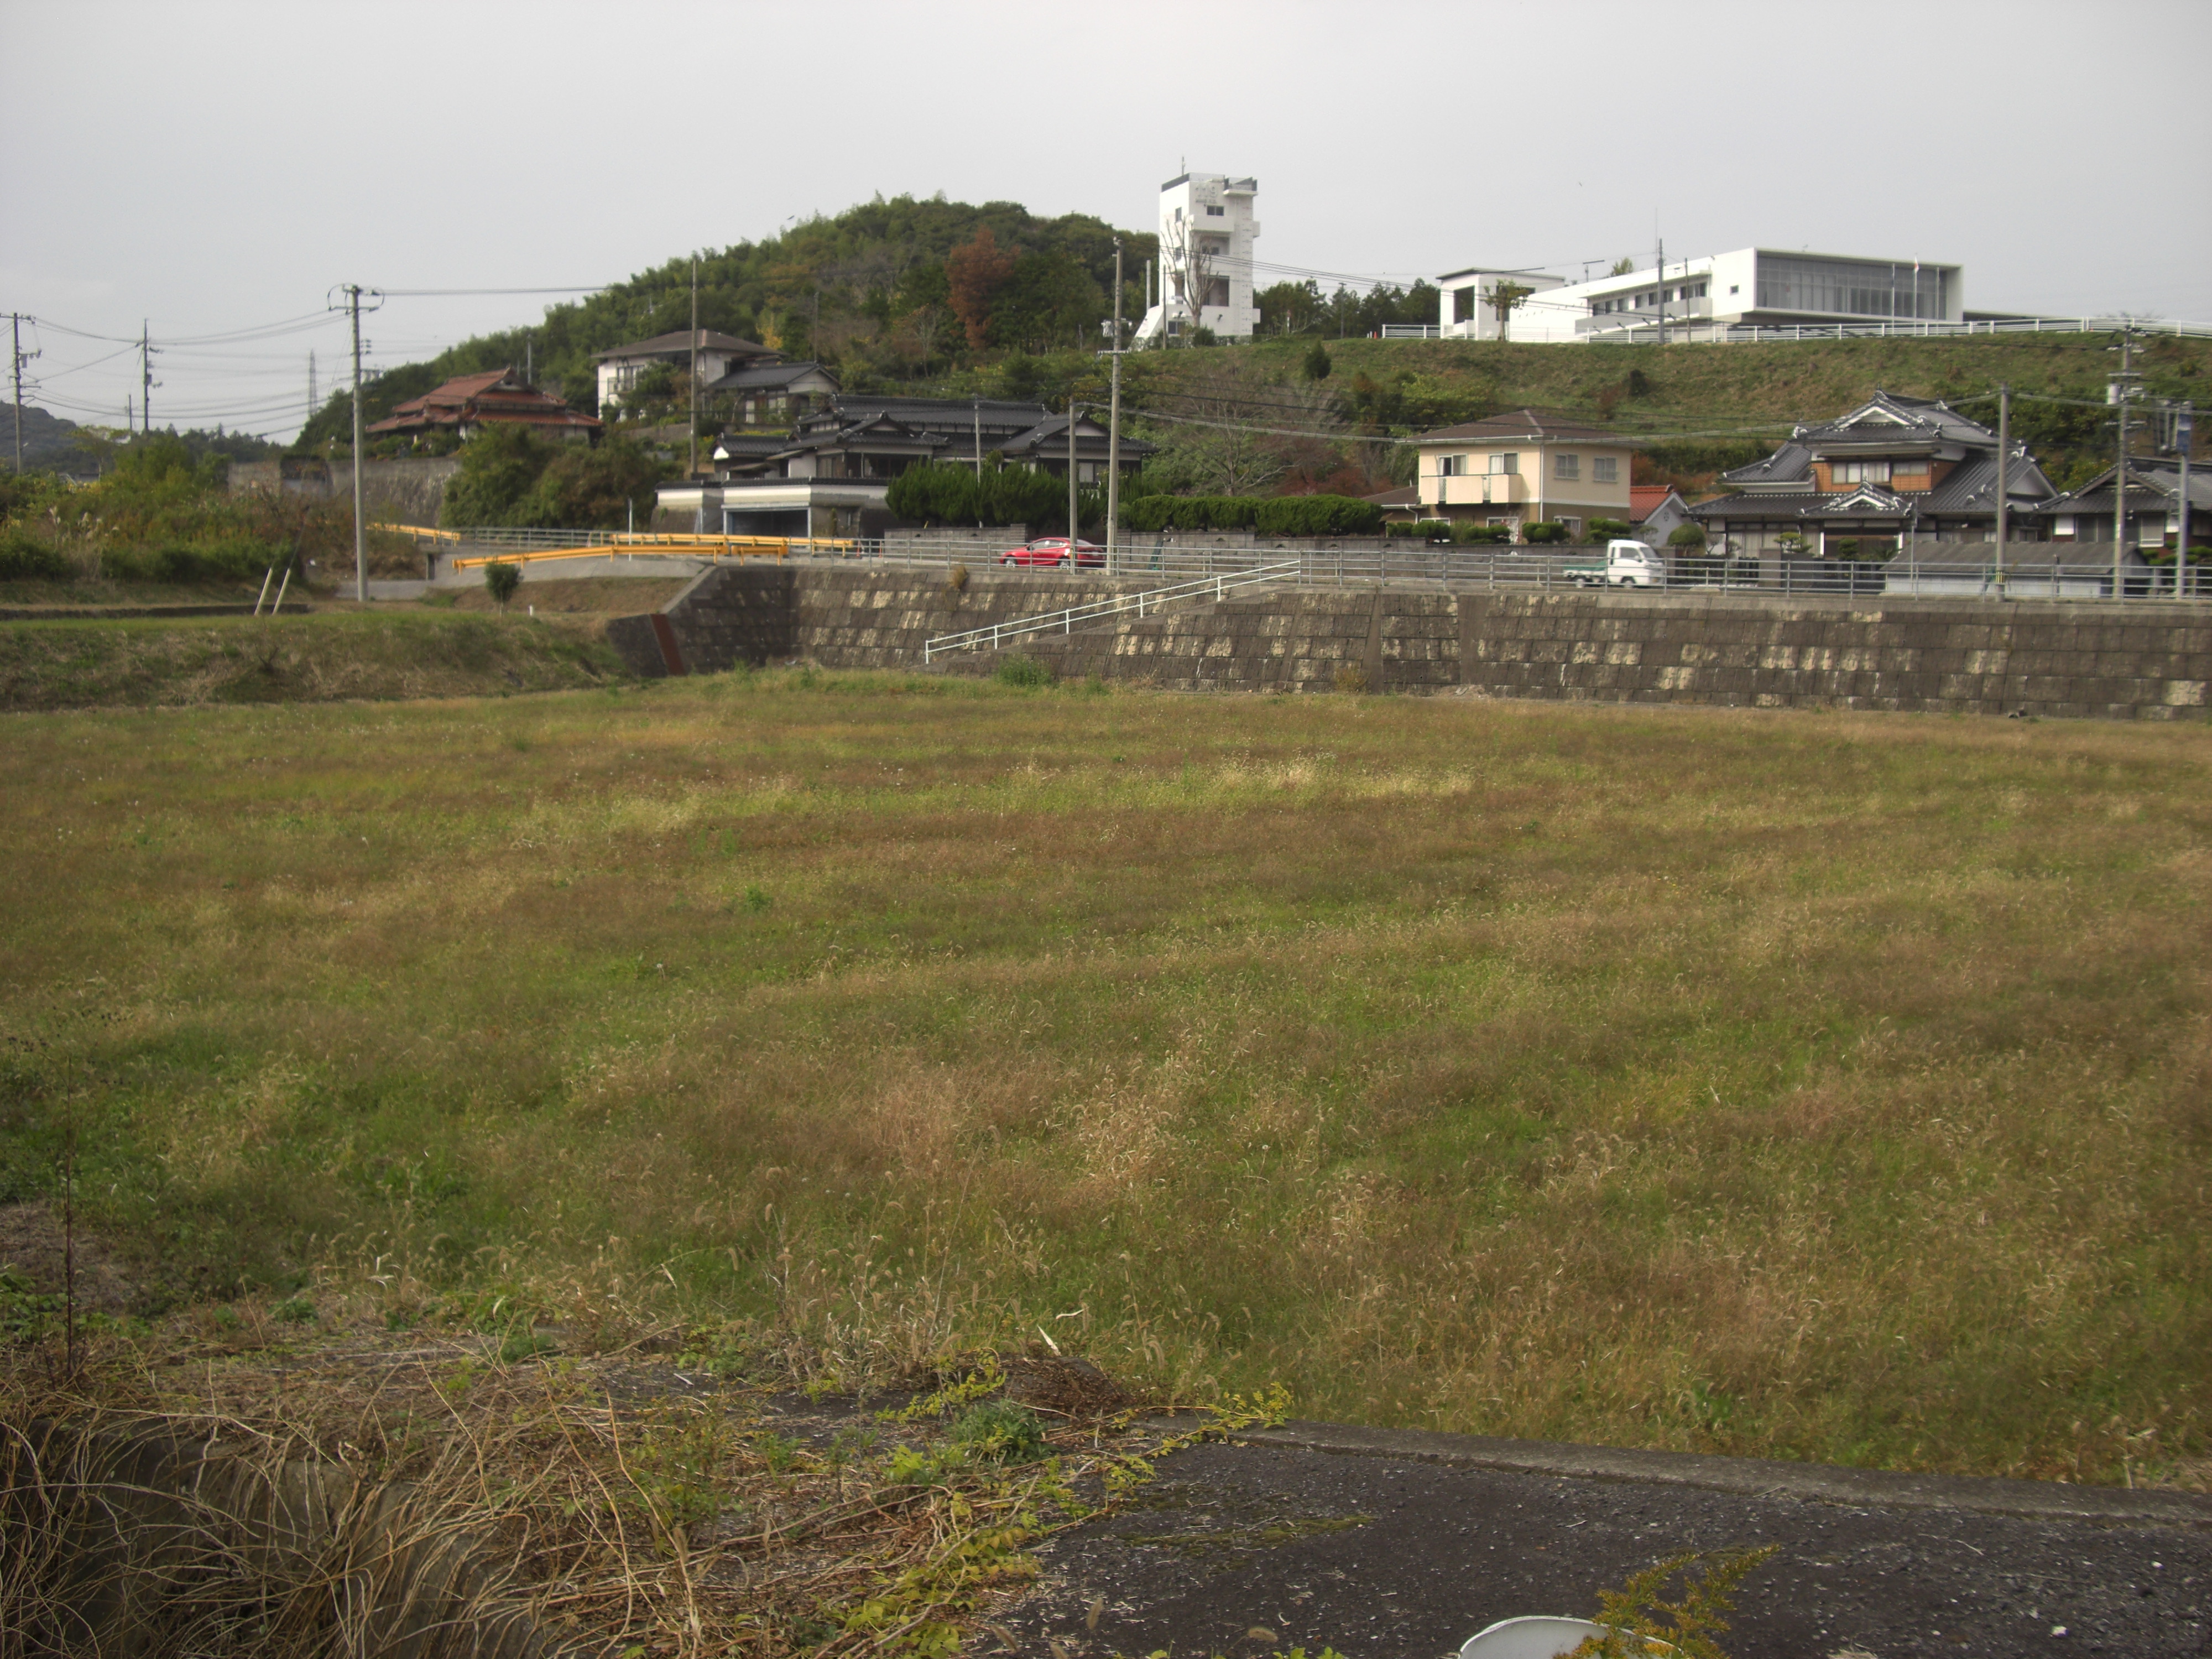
688 546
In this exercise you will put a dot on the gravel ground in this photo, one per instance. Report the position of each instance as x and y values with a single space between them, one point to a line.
1245 1550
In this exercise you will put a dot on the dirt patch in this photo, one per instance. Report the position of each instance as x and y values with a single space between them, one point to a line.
34 1247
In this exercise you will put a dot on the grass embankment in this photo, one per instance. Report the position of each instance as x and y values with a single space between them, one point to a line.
80 663
1825 1086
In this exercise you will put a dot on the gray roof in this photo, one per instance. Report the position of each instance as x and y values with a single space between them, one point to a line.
1051 433
771 378
668 345
1887 418
1792 461
2149 477
1972 486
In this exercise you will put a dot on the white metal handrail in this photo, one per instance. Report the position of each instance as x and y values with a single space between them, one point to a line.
995 634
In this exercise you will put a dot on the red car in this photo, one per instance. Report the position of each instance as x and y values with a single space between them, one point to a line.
1052 551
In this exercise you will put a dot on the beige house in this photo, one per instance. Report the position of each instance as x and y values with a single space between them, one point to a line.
1524 468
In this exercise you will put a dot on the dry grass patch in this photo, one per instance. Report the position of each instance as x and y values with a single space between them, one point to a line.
1827 1086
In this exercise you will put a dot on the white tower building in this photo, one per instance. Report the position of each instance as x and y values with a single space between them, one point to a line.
1205 276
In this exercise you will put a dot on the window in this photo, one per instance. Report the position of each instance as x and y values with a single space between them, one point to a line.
1734 289
1500 465
1854 472
1605 468
1451 466
1462 304
1216 213
1574 527
1566 466
1910 472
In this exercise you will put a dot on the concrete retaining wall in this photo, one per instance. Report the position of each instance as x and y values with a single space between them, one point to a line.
402 490
2148 660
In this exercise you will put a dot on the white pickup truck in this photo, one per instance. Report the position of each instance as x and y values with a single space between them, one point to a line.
1627 564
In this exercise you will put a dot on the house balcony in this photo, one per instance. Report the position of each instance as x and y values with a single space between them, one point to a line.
1479 489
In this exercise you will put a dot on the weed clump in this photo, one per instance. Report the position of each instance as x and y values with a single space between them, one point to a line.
1027 672
1000 1431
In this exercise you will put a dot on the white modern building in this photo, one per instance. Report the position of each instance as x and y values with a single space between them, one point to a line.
1205 276
1702 298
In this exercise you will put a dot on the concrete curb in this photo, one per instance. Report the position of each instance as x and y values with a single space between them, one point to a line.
1751 1476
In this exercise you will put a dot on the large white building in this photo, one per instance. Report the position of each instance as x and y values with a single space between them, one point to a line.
1207 233
1701 297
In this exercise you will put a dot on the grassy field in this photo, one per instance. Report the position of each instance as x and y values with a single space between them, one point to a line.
1818 1085
417 652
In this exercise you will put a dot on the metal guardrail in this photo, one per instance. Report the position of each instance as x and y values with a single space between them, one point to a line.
995 634
713 548
2030 574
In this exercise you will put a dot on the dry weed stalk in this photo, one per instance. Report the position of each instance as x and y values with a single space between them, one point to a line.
411 1494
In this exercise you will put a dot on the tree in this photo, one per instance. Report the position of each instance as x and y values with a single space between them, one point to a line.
1191 255
595 487
975 272
1622 266
1506 298
1233 439
500 468
1317 364
501 579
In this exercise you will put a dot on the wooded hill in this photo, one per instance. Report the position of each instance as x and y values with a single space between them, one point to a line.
939 297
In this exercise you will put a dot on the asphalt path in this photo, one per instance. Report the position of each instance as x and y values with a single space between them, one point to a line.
1380 1545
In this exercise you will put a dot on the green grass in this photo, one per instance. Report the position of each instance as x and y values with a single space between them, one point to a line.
422 652
1816 1085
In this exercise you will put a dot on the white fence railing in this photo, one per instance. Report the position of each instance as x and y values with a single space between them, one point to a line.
2030 571
1150 602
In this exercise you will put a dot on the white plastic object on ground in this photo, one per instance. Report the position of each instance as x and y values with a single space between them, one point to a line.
1541 1638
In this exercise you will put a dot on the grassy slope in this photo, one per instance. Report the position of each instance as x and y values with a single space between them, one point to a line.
1783 380
1827 1086
84 663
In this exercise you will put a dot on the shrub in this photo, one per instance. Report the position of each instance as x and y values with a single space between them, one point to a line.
1544 532
1688 537
501 579
1025 671
946 492
1317 364
1427 530
24 557
1156 512
1000 1431
1608 530
1316 515
1483 534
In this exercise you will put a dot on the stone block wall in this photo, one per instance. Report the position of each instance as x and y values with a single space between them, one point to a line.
2147 661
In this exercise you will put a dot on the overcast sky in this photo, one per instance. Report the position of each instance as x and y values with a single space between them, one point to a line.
214 169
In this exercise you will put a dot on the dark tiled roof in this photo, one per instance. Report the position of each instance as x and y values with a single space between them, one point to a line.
2152 479
1791 462
661 345
1050 435
1887 418
772 377
1524 423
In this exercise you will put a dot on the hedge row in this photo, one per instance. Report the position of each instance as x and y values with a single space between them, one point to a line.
1279 515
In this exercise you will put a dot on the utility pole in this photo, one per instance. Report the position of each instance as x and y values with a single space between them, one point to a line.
359 525
2004 461
1113 428
1074 407
694 472
20 358
311 386
977 404
2123 388
2184 438
1662 290
146 378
